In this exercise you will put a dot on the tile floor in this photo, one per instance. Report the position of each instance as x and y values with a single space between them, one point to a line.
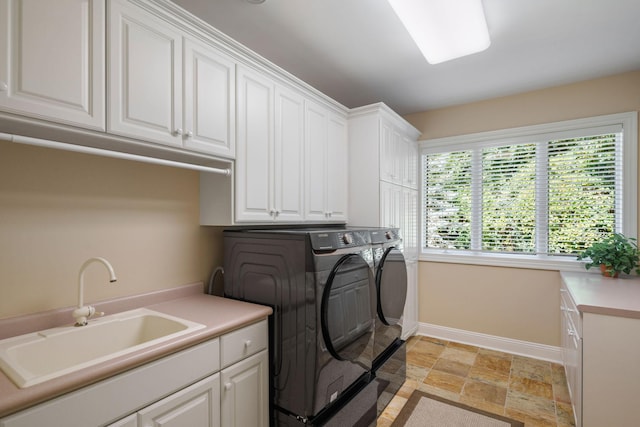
529 390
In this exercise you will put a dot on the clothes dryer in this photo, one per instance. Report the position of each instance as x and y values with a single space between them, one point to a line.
389 365
321 287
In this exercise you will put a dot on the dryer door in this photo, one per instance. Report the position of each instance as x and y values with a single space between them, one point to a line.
348 308
391 286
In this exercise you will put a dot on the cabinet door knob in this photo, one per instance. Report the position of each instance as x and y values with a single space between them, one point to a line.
178 131
3 87
189 134
247 343
228 386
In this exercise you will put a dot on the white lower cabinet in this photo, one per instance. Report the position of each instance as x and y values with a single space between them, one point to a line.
188 388
245 393
196 405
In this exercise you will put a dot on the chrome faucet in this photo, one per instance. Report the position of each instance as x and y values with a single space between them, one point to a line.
83 313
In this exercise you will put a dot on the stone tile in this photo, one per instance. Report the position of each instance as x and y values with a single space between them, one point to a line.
451 395
451 367
465 347
444 381
529 405
485 392
557 374
532 387
383 422
564 412
417 373
393 408
421 359
529 420
561 393
437 341
427 348
457 355
407 388
495 353
493 362
483 405
533 369
488 376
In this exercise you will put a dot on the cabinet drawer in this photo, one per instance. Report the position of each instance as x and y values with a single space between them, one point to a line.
244 342
570 309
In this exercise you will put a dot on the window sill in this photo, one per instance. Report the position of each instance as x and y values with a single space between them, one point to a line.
537 262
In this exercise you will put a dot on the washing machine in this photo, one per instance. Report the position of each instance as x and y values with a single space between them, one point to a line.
389 364
321 286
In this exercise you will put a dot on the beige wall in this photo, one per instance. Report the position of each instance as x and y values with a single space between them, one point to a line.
513 303
58 208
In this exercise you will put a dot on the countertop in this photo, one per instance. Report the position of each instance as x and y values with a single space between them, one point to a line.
219 315
593 293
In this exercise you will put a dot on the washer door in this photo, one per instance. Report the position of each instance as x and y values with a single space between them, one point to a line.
391 286
348 308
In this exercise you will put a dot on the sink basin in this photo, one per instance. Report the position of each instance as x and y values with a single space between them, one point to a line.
40 356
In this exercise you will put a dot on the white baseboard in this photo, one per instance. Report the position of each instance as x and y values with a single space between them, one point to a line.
508 345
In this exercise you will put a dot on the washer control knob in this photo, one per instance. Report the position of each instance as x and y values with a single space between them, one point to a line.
388 235
347 238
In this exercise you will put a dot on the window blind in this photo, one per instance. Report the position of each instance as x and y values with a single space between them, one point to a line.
552 194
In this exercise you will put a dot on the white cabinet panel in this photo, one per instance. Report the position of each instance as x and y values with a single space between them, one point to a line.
337 164
245 393
166 87
209 100
289 156
410 316
316 136
52 60
326 165
254 166
145 76
196 405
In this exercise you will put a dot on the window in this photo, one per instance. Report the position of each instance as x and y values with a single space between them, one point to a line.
532 196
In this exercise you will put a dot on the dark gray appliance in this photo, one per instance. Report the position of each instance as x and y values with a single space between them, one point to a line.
321 287
389 364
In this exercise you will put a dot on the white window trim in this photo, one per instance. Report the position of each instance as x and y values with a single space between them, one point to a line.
629 122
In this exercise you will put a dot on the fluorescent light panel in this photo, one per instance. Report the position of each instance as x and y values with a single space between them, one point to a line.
444 29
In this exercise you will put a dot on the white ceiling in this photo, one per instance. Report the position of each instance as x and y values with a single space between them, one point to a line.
358 52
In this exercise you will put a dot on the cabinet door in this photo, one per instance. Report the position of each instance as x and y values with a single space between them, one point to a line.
392 153
52 60
316 137
254 166
390 205
289 156
412 162
145 76
209 100
196 405
337 163
410 316
245 393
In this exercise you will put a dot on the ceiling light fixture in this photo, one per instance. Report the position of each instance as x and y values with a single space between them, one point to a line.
444 29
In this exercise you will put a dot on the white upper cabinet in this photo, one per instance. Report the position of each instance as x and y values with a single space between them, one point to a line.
255 147
145 76
209 100
289 155
337 168
269 177
52 60
326 164
151 63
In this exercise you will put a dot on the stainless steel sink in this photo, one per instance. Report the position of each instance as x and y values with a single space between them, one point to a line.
40 356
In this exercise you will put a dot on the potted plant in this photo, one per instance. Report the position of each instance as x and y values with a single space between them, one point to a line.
614 255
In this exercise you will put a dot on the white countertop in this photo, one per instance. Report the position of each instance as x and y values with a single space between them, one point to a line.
593 293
